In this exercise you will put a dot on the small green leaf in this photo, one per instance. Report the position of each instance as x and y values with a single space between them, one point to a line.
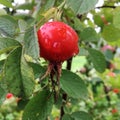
49 4
83 52
109 55
39 107
73 85
22 25
37 69
67 117
6 3
81 116
7 44
98 20
111 33
116 18
2 12
25 6
81 6
2 94
89 35
8 26
1 64
98 60
78 25
31 43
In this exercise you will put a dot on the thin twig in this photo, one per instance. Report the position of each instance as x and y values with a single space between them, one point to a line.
64 95
105 6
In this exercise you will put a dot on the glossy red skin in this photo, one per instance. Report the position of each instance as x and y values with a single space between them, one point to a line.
58 41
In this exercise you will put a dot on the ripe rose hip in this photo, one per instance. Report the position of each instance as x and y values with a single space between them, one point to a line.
58 42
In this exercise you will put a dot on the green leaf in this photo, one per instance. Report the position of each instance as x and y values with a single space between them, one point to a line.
27 78
67 117
109 55
98 60
116 18
49 4
26 6
98 20
7 44
83 52
81 116
39 107
37 69
77 25
111 33
89 35
31 43
73 85
8 26
1 63
81 6
12 76
2 94
18 76
6 3
2 12
22 25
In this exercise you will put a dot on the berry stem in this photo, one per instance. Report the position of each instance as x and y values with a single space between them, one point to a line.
48 71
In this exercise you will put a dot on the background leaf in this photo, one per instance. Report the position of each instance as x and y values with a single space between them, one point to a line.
2 12
111 33
25 6
37 69
73 85
7 44
67 117
98 20
31 43
2 94
89 35
39 107
97 59
81 116
6 3
49 4
8 26
116 18
81 6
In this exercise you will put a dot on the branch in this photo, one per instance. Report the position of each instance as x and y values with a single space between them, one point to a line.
64 95
106 6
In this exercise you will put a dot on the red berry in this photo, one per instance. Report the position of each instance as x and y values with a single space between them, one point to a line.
116 90
58 42
9 95
114 111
